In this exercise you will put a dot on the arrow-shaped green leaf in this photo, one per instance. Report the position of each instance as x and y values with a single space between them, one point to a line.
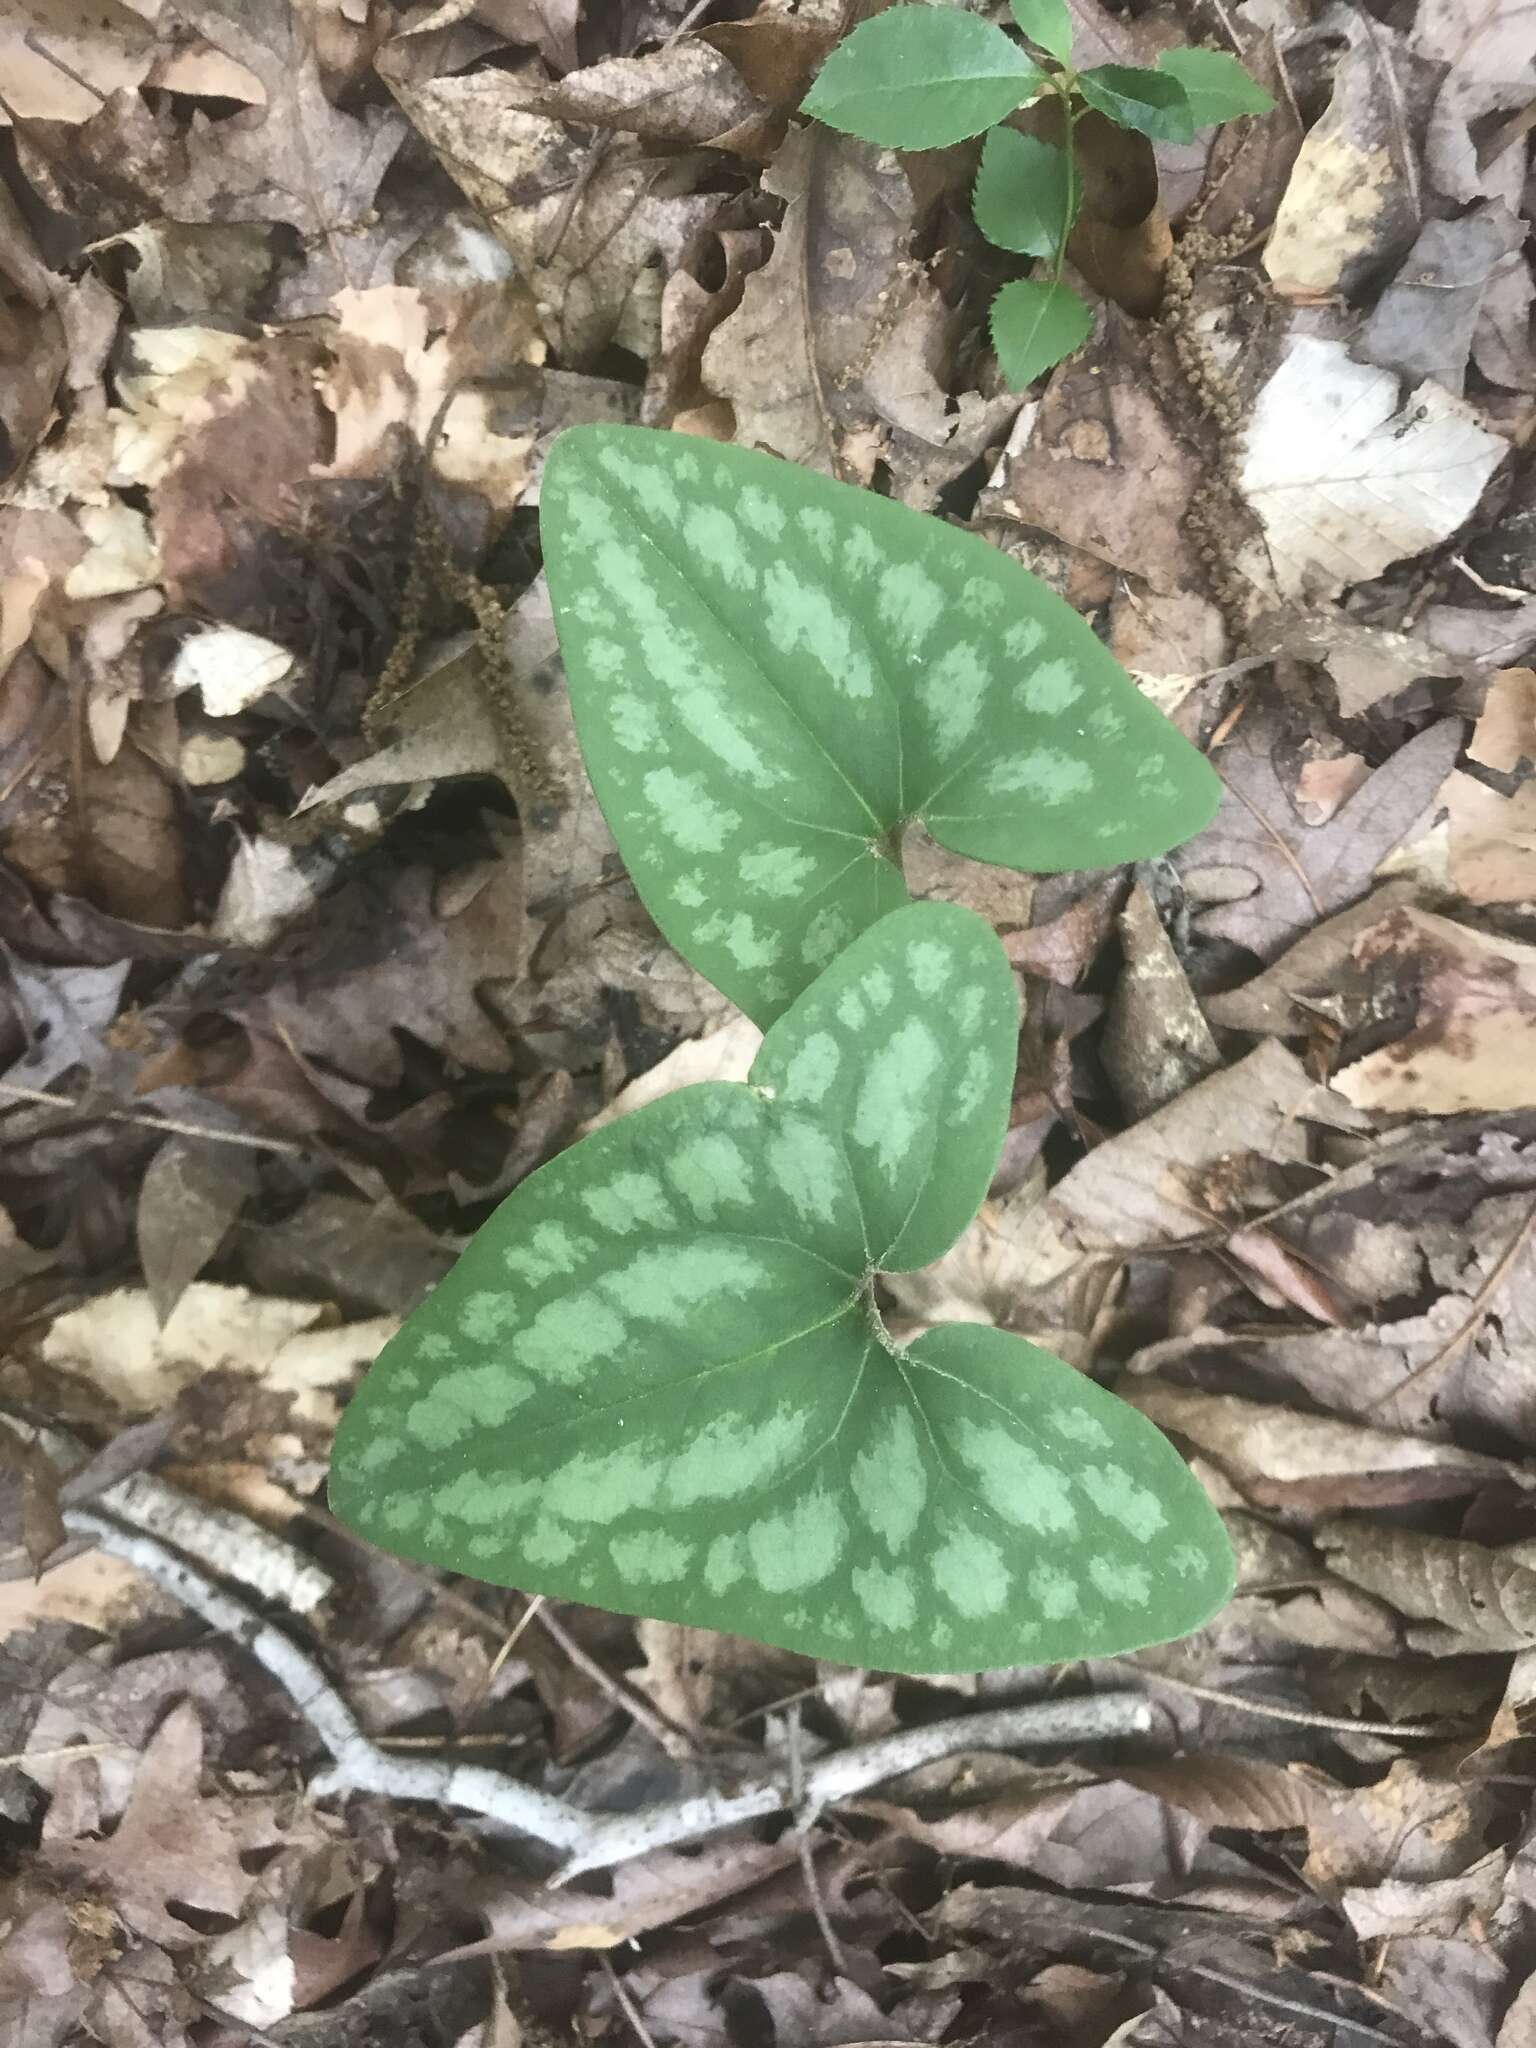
771 673
657 1381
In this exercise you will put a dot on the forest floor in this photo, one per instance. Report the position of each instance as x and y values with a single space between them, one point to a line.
295 989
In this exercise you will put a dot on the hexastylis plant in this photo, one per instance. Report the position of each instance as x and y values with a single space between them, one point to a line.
658 1380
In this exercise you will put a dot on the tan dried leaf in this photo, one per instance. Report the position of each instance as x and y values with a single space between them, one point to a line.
1476 1598
1505 734
1280 1457
1475 1010
1144 1187
1493 840
172 1845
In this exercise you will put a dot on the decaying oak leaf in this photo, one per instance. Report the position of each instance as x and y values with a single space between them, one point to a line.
1475 1012
173 1845
1298 873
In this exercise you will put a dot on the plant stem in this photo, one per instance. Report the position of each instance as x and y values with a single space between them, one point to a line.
1069 111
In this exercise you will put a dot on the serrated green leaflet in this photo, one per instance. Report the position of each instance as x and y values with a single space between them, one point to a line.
1048 23
1035 323
921 78
1152 102
771 673
657 1382
906 1045
1025 194
1216 85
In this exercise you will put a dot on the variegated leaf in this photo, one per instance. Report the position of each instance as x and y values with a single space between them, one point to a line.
658 1380
772 673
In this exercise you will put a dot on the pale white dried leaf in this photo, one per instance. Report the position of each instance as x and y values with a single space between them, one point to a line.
1345 478
232 668
116 1342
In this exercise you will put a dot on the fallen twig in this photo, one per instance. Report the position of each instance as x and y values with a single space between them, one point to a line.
592 1841
234 1545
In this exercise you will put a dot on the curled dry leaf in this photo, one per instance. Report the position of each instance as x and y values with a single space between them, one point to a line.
1282 1458
1476 1598
1352 200
191 1193
1156 1042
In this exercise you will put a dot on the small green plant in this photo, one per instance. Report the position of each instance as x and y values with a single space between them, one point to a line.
921 77
659 1379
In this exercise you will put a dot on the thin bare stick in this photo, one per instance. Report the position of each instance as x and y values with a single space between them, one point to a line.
1099 1718
807 1854
592 1841
151 1123
1341 1722
233 1544
626 2004
358 1764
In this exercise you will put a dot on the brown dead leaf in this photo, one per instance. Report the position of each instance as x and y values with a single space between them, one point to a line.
1474 1009
686 93
592 240
1505 734
191 1193
1413 1825
1156 1043
1352 200
1474 1598
379 959
173 1845
834 355
1162 1180
1300 873
1268 1002
652 1892
1086 472
1279 1457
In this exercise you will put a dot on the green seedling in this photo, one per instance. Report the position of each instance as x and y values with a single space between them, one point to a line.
920 77
659 1380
